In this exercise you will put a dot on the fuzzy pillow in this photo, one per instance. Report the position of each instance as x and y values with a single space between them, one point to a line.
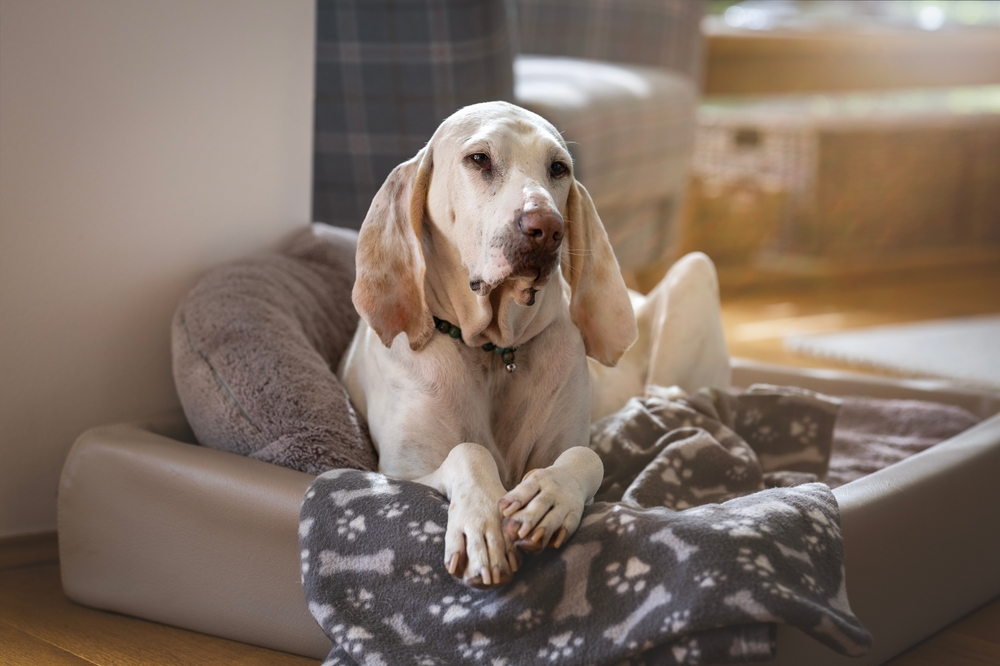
256 345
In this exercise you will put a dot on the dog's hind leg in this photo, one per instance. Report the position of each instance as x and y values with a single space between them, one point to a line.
688 347
680 343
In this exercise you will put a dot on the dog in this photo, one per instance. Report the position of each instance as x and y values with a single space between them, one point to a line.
493 313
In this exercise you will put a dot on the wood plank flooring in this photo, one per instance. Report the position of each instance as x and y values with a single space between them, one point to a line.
972 641
757 321
39 625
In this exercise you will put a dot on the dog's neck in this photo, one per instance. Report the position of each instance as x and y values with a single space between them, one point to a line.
496 317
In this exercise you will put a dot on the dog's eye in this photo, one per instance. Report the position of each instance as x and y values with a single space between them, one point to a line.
482 160
558 169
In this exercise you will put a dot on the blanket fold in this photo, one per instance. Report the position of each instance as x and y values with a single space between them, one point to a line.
641 582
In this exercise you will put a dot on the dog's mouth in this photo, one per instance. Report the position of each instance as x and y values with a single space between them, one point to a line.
525 281
521 268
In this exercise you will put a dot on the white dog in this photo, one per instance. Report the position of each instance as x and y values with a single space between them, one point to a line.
484 280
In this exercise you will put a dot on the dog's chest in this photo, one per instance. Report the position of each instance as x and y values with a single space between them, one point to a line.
529 416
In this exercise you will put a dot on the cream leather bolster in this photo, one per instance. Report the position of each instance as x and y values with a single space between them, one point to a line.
185 535
921 538
205 540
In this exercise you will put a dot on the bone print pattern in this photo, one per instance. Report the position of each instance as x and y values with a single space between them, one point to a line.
634 599
639 583
679 451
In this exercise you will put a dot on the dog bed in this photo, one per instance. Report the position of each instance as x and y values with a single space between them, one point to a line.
115 471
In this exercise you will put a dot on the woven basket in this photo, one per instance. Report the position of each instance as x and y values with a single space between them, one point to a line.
873 177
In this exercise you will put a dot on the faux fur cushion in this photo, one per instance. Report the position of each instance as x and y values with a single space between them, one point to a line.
255 350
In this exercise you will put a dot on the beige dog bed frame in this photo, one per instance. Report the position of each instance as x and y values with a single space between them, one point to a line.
205 540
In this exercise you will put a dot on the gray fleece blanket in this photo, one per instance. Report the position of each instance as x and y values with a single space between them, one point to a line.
686 558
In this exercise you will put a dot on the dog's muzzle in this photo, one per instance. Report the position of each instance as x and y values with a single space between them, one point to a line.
540 230
534 249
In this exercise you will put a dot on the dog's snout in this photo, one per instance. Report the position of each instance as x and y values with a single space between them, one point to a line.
543 229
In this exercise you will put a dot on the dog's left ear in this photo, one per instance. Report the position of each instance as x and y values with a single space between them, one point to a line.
600 305
389 289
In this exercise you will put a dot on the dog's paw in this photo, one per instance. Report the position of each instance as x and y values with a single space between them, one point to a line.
476 548
544 509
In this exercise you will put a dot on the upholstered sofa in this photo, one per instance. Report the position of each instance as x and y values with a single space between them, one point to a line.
619 79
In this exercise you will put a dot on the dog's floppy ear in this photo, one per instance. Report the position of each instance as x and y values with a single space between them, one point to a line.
389 289
600 305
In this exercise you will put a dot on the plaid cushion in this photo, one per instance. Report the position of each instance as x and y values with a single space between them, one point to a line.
387 73
660 33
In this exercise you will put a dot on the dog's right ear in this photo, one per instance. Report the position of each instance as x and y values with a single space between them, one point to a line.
389 289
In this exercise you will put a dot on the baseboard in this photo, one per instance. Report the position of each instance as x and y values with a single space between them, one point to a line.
28 549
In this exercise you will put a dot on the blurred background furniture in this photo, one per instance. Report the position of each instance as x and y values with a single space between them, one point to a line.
838 139
848 182
387 73
619 79
870 56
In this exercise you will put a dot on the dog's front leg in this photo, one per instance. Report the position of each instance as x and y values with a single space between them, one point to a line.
546 507
475 547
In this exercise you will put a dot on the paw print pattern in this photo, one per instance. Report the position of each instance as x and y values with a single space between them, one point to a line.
451 608
751 416
825 531
676 622
350 525
423 574
321 612
765 434
529 618
710 578
429 531
804 429
811 583
561 646
669 473
813 543
736 472
687 653
620 522
822 524
632 577
760 564
352 639
390 511
360 599
428 660
472 647
779 590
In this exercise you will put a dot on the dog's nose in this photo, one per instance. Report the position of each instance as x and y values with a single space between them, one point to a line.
543 229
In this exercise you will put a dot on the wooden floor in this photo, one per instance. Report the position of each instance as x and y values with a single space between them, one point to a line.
756 321
38 625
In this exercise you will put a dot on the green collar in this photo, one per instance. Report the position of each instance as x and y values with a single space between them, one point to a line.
506 353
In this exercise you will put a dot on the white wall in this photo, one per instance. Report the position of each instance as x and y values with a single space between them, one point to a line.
141 142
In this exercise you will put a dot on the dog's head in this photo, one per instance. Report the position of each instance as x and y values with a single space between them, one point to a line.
495 186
